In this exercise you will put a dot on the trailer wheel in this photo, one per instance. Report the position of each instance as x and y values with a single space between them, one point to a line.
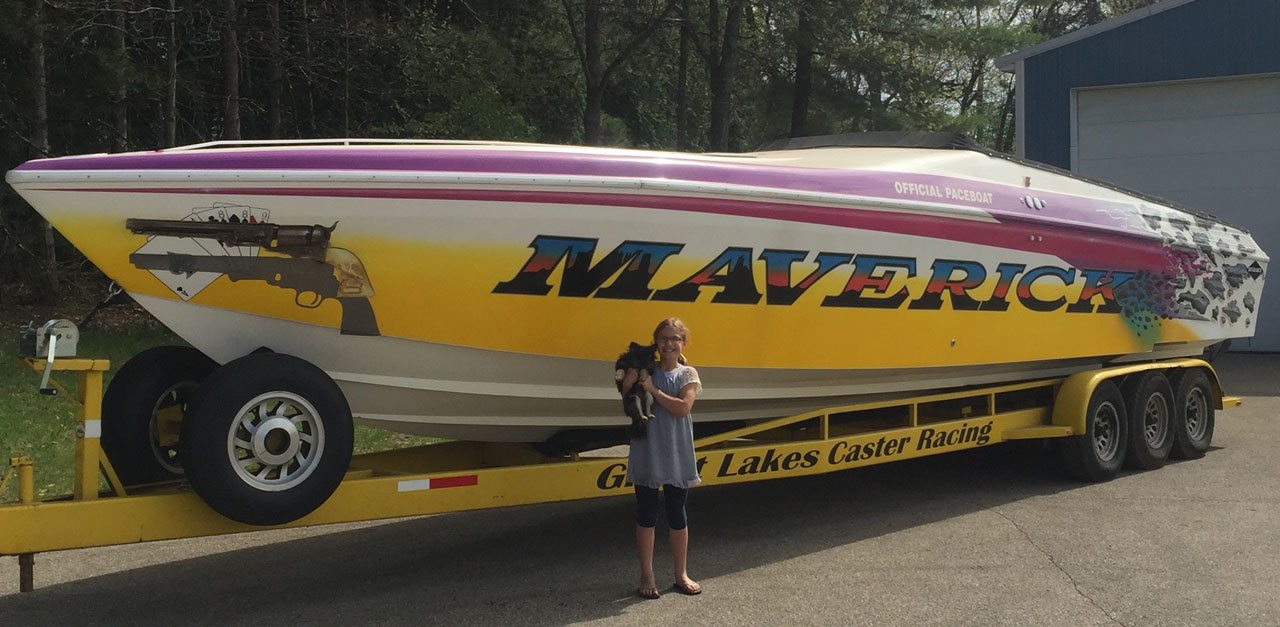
1193 414
144 407
1149 399
1098 454
269 439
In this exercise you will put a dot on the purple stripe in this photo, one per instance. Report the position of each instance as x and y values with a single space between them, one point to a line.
1082 248
1005 199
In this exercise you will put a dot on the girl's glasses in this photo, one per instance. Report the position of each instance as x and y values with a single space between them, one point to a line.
670 339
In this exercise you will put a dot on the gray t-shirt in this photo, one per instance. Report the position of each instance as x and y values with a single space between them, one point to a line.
665 455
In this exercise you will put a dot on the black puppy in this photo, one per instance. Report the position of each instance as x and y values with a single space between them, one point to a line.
635 403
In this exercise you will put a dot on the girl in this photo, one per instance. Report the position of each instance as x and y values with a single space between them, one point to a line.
664 457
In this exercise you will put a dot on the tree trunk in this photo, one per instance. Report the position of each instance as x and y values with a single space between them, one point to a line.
171 81
1093 12
591 114
39 80
682 82
40 93
875 100
595 71
804 73
119 104
346 71
971 94
275 86
230 71
592 73
309 96
1006 129
722 76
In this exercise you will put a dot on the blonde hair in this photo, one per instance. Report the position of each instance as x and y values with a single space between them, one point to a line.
677 324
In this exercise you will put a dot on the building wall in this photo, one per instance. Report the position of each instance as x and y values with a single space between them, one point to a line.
1202 39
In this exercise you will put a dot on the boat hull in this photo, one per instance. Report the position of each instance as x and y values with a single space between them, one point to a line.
525 398
499 298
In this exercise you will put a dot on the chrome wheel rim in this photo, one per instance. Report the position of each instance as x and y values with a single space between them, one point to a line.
1155 421
276 441
1197 413
1106 431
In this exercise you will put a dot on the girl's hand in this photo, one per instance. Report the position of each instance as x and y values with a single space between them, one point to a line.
629 378
648 386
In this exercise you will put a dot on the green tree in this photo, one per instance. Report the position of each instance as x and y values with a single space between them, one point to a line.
593 25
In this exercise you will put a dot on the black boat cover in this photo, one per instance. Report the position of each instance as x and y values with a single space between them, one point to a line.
878 139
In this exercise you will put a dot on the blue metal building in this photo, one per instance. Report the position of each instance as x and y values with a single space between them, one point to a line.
1180 100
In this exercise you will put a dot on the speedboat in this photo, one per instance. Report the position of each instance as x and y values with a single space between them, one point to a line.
480 290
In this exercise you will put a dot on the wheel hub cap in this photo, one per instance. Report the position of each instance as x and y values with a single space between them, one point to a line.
1106 440
1197 407
276 441
166 424
1155 421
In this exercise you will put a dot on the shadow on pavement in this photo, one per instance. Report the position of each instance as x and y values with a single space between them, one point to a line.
1249 374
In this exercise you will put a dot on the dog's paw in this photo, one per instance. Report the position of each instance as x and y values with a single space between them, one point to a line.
618 374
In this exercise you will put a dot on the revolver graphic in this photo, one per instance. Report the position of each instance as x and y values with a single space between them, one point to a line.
308 265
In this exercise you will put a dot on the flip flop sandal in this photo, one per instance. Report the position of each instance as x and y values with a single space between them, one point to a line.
682 588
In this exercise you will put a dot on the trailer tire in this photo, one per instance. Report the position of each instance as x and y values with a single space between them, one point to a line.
138 433
1193 413
1098 454
1149 399
269 439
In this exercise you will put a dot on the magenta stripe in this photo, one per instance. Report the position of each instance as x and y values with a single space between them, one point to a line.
1081 247
634 164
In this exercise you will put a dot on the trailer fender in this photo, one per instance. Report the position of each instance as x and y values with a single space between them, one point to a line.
1072 400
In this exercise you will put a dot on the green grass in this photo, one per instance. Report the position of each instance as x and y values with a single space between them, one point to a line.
43 427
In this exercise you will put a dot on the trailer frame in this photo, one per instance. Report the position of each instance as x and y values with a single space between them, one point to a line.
461 476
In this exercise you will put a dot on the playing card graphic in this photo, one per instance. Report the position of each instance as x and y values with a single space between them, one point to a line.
226 213
209 246
185 285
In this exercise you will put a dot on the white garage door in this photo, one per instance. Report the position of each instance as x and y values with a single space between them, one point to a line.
1208 145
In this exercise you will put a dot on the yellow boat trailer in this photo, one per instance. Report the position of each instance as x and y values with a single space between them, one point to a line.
461 476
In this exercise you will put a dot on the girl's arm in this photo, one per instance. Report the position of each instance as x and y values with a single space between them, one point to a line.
678 406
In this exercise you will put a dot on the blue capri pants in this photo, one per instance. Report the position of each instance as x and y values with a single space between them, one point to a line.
647 506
